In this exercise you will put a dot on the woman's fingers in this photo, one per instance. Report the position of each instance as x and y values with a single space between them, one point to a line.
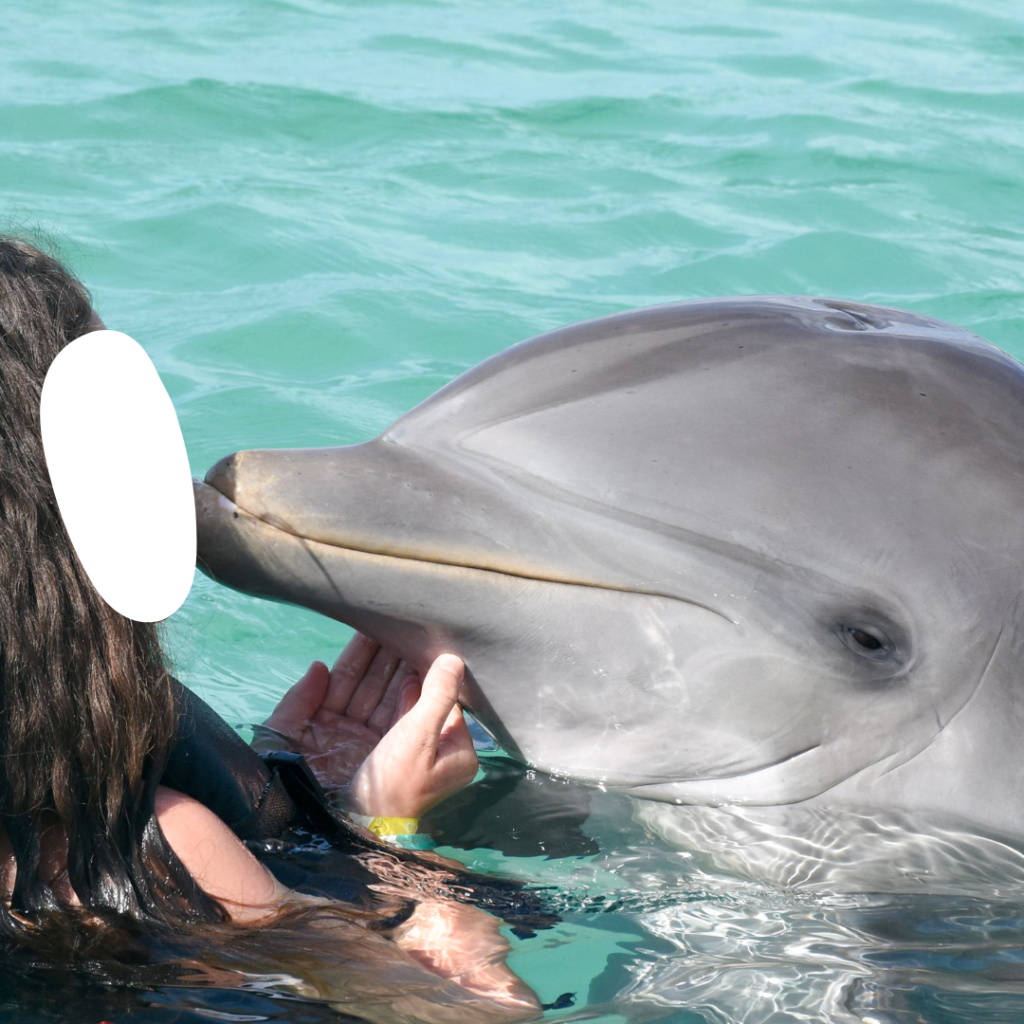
407 698
438 696
348 672
301 702
381 717
455 726
373 685
456 751
426 755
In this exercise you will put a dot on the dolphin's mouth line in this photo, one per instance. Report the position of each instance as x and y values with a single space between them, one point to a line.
505 571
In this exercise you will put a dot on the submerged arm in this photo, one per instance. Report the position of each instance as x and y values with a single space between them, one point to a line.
445 964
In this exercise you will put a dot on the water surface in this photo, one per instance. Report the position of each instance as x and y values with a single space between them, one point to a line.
312 214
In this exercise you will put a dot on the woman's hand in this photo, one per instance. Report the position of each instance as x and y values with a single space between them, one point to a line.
426 755
401 745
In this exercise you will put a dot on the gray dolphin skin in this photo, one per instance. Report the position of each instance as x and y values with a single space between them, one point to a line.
755 551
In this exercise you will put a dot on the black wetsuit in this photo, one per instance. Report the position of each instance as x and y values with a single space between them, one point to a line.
215 766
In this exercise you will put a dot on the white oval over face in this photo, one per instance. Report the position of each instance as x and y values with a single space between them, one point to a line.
120 472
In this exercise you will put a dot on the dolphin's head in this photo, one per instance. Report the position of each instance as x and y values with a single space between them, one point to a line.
734 551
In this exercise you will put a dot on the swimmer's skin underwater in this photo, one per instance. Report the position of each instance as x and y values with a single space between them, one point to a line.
761 551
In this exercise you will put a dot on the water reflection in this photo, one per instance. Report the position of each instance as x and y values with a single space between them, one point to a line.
775 915
831 915
830 849
881 959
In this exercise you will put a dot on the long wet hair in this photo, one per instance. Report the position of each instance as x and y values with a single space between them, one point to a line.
87 712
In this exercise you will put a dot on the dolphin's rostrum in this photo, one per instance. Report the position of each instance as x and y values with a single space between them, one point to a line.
752 551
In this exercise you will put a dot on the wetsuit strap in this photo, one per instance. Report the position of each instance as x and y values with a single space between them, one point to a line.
304 790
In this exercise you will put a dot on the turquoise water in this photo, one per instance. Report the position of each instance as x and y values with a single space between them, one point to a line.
312 214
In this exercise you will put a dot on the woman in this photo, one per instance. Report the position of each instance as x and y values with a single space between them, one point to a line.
89 721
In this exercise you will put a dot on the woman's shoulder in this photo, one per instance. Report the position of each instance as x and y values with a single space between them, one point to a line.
209 850
216 858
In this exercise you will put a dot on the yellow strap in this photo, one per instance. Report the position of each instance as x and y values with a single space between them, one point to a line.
394 826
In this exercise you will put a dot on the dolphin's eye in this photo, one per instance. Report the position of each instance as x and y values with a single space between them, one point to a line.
865 639
868 641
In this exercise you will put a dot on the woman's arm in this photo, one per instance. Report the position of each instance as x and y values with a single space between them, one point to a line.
218 861
404 746
458 946
447 940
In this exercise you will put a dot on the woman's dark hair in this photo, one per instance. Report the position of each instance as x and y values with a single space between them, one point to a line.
87 713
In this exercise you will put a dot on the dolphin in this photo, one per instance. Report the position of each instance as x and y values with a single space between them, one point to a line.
758 551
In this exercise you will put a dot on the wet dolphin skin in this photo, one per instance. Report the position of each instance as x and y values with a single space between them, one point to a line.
753 551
